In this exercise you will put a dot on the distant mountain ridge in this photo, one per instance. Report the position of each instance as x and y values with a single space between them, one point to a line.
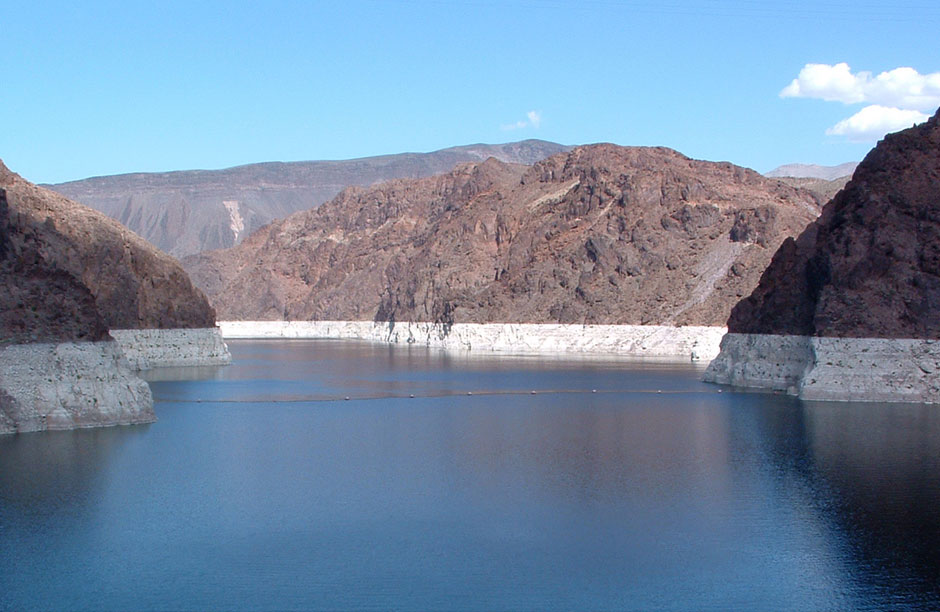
190 211
828 173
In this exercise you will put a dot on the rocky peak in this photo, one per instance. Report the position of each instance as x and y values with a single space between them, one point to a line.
5 174
870 265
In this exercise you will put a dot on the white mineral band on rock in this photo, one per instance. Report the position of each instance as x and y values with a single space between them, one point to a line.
844 369
67 385
687 342
153 348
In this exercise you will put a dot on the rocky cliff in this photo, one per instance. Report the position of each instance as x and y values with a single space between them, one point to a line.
69 275
870 265
133 284
858 290
824 189
599 235
40 300
191 211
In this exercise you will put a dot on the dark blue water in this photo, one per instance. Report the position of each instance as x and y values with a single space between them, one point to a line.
261 487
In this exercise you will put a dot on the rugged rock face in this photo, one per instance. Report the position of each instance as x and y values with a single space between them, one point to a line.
69 275
40 301
599 235
70 252
850 310
64 385
187 212
869 267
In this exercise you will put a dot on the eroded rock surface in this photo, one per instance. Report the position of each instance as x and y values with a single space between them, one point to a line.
133 284
599 235
850 310
69 275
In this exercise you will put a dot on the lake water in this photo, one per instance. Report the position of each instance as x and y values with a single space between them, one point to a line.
617 485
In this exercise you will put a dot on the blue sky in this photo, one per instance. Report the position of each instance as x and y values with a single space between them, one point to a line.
95 88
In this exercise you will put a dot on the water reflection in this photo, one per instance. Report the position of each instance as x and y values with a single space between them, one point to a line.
182 373
654 492
43 471
880 466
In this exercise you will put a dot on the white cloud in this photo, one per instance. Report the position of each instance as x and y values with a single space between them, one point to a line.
831 83
896 98
873 122
533 119
900 88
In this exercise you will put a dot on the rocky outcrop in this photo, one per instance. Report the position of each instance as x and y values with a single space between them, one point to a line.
601 235
70 274
869 267
824 189
66 385
861 285
39 299
826 368
192 211
133 284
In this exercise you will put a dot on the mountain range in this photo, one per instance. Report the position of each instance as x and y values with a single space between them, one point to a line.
189 211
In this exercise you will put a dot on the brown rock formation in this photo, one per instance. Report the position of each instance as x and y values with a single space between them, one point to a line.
601 234
41 302
73 273
196 210
870 265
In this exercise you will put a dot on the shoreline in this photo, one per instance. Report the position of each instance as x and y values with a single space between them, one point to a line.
689 343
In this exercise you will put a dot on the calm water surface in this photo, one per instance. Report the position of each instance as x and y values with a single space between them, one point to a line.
261 487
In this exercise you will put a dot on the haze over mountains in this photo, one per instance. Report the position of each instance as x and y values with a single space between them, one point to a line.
828 173
190 211
600 234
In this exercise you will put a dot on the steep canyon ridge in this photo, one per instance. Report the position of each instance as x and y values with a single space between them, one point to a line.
601 234
186 212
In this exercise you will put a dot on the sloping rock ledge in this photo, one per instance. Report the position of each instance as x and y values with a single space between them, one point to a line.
661 341
827 368
67 385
